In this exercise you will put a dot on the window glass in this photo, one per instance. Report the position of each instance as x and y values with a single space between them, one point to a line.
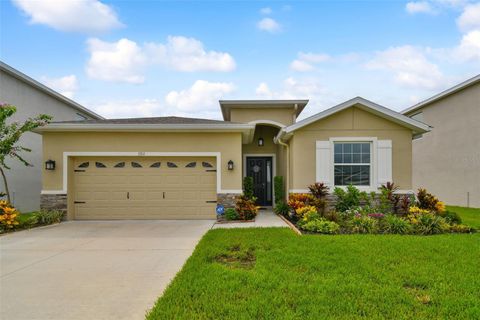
155 165
191 165
136 165
84 165
171 165
352 163
119 165
100 165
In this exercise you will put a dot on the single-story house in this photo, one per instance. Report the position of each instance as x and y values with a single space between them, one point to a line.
446 161
181 168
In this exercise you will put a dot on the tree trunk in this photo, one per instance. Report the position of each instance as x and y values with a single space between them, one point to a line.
5 184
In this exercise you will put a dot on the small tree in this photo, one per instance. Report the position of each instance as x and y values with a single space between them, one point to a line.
248 187
10 135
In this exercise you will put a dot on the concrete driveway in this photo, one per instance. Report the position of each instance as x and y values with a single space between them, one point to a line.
92 270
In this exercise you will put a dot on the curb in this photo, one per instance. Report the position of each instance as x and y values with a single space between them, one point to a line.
291 225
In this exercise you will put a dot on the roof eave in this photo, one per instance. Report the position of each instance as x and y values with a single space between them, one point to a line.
415 126
443 94
227 105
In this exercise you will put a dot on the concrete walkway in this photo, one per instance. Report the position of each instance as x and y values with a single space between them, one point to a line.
265 218
92 270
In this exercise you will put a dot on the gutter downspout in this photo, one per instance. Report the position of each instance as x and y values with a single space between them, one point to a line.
278 140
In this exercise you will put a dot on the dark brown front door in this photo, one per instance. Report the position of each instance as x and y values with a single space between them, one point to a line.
260 168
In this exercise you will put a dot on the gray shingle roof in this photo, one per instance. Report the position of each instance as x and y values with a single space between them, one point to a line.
153 120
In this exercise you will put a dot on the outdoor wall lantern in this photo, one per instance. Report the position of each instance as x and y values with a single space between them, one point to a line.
260 142
50 165
230 165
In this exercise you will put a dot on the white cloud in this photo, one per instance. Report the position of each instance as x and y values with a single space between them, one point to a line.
77 16
291 89
419 7
263 90
469 48
266 10
470 17
66 85
301 66
121 61
269 25
305 61
130 109
188 55
201 96
409 66
125 60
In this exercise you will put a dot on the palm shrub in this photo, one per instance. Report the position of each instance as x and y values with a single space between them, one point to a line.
278 189
248 187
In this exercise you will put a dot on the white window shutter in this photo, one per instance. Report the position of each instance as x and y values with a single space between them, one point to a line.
323 162
384 161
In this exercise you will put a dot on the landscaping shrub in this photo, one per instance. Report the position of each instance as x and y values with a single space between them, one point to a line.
321 226
429 223
301 212
49 216
429 202
281 208
279 189
27 221
299 200
8 216
246 208
309 216
396 225
451 217
347 199
388 199
363 224
405 203
319 190
248 187
231 214
460 228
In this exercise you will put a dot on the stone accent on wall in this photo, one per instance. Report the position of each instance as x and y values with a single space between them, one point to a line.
54 202
228 200
331 199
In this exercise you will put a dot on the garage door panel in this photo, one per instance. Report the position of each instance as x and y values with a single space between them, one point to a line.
104 189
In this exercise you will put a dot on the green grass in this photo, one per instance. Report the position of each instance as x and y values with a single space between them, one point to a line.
470 216
25 216
275 274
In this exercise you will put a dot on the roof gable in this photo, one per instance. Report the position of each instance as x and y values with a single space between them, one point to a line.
365 105
46 90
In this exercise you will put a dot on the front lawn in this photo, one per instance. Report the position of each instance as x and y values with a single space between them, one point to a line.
470 216
275 274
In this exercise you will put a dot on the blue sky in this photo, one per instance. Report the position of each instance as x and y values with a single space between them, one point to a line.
156 58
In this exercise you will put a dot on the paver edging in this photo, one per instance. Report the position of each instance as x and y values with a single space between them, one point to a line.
291 225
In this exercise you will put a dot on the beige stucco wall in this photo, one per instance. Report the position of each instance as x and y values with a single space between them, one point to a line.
352 122
284 116
228 144
446 160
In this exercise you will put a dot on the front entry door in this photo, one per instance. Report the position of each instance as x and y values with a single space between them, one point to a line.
260 168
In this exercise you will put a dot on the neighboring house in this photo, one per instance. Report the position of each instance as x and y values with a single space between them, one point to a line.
181 168
446 161
32 98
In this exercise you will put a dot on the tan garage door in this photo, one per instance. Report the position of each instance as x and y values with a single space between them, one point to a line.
144 188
